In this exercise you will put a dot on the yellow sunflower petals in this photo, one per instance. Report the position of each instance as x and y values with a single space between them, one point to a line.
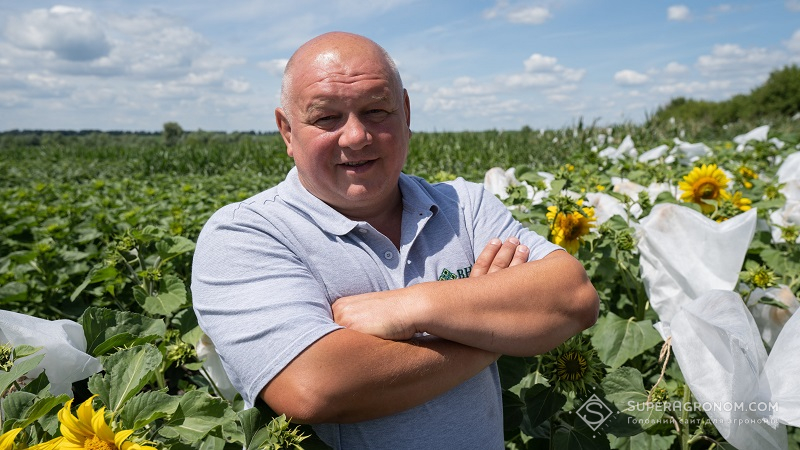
8 438
86 411
100 427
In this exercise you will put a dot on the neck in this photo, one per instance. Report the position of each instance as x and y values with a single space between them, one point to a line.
387 220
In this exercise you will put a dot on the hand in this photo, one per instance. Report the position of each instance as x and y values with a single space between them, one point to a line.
498 256
387 314
382 314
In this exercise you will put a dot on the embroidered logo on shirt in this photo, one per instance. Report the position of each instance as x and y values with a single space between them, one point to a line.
460 273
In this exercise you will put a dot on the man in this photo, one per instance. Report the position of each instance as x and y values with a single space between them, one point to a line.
323 294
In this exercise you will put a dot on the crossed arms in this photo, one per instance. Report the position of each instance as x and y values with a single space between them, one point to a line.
375 366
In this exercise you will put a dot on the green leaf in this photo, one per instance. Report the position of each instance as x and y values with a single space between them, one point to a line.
146 407
617 340
21 367
513 412
512 370
24 350
173 246
579 438
197 415
32 408
643 441
106 329
97 274
127 371
166 303
13 291
541 402
14 406
625 388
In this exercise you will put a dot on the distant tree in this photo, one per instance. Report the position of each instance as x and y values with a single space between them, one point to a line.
779 96
172 133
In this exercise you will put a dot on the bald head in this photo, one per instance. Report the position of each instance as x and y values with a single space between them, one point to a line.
346 50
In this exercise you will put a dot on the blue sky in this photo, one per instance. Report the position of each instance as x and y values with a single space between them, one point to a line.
477 65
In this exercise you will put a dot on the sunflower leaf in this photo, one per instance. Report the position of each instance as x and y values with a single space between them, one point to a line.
21 367
127 371
643 441
198 413
147 407
106 329
541 402
617 340
169 301
580 437
625 388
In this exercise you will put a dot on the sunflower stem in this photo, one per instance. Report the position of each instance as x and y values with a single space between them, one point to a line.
687 397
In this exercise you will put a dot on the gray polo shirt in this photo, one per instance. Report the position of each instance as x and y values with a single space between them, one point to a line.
266 271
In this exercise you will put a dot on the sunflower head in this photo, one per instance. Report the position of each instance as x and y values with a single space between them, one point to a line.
760 276
703 185
6 353
732 206
88 429
790 233
573 365
569 222
746 176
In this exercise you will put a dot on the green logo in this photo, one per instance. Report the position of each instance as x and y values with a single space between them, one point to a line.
460 273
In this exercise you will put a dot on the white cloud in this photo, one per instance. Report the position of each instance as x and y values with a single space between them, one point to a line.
540 63
793 5
793 44
694 88
237 86
678 13
533 16
674 68
274 67
541 70
72 34
730 58
630 78
530 15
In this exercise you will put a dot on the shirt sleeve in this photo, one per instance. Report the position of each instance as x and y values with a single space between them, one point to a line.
254 297
491 219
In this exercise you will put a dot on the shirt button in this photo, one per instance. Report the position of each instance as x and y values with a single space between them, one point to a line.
388 255
362 230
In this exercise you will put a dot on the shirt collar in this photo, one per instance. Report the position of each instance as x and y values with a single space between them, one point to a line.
415 198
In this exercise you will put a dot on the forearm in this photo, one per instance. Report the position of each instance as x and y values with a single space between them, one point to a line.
523 310
348 376
518 309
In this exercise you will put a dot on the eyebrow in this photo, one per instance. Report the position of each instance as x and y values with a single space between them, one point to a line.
321 104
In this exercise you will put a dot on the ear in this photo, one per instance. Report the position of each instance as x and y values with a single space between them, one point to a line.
285 128
407 105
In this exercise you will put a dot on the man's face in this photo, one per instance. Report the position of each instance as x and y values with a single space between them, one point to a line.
347 130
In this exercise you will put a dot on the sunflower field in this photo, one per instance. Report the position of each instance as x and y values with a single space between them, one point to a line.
690 235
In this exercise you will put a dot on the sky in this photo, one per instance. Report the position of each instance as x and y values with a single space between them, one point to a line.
468 65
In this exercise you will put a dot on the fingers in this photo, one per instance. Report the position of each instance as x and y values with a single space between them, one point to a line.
499 255
484 260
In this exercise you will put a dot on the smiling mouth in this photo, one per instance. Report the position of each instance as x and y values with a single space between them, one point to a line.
355 163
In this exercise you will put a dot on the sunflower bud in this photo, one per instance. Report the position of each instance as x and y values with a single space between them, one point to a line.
573 365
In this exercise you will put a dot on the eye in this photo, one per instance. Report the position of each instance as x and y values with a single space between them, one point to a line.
325 121
377 114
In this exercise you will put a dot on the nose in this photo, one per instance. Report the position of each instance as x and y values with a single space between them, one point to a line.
354 134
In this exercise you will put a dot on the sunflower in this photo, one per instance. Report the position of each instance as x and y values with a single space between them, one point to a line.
741 203
88 430
746 175
703 183
572 365
7 438
569 226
